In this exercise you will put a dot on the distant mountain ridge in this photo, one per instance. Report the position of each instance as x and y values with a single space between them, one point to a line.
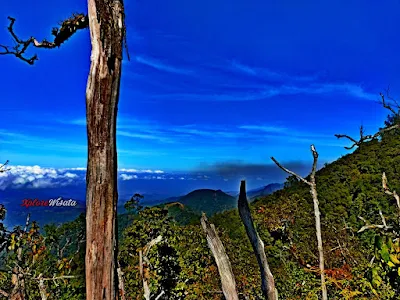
260 192
208 201
194 203
264 191
216 201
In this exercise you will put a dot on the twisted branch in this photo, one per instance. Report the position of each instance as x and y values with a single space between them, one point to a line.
62 34
373 226
388 191
2 167
369 137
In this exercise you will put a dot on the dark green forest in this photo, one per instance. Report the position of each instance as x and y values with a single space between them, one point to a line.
360 263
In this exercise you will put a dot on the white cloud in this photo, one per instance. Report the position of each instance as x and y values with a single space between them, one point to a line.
36 177
41 177
264 92
128 177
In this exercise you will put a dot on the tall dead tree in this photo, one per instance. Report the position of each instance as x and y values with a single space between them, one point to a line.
267 279
313 191
221 258
106 21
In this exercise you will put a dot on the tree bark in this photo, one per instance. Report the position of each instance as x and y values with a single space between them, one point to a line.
319 237
107 31
222 260
267 279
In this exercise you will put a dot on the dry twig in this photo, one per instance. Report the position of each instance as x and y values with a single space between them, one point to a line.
373 226
369 137
388 192
62 34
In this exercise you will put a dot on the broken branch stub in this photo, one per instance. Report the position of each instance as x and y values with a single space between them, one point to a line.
221 258
267 279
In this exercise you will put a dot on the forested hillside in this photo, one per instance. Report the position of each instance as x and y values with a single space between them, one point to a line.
177 263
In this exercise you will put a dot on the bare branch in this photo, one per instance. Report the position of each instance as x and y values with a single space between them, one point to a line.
313 169
313 191
2 167
288 171
143 257
373 226
57 278
364 138
62 34
146 289
388 192
387 106
42 288
27 222
5 294
159 295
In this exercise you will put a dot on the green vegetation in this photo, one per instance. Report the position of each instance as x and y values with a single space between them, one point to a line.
360 264
208 201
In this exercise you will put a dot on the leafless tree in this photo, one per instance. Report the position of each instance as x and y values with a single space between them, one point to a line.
313 190
106 21
267 279
365 138
222 260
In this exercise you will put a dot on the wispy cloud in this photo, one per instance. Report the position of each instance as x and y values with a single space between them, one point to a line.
243 68
268 74
284 131
145 136
215 135
264 128
159 65
37 142
265 92
80 122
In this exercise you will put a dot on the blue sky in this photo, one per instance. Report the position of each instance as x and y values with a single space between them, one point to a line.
209 83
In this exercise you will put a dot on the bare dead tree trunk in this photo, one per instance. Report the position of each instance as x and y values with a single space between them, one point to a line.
17 279
18 276
267 279
222 260
107 30
106 21
319 235
42 288
313 191
144 273
146 289
121 283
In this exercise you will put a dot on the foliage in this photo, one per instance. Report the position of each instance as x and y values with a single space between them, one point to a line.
133 205
56 253
361 265
177 265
